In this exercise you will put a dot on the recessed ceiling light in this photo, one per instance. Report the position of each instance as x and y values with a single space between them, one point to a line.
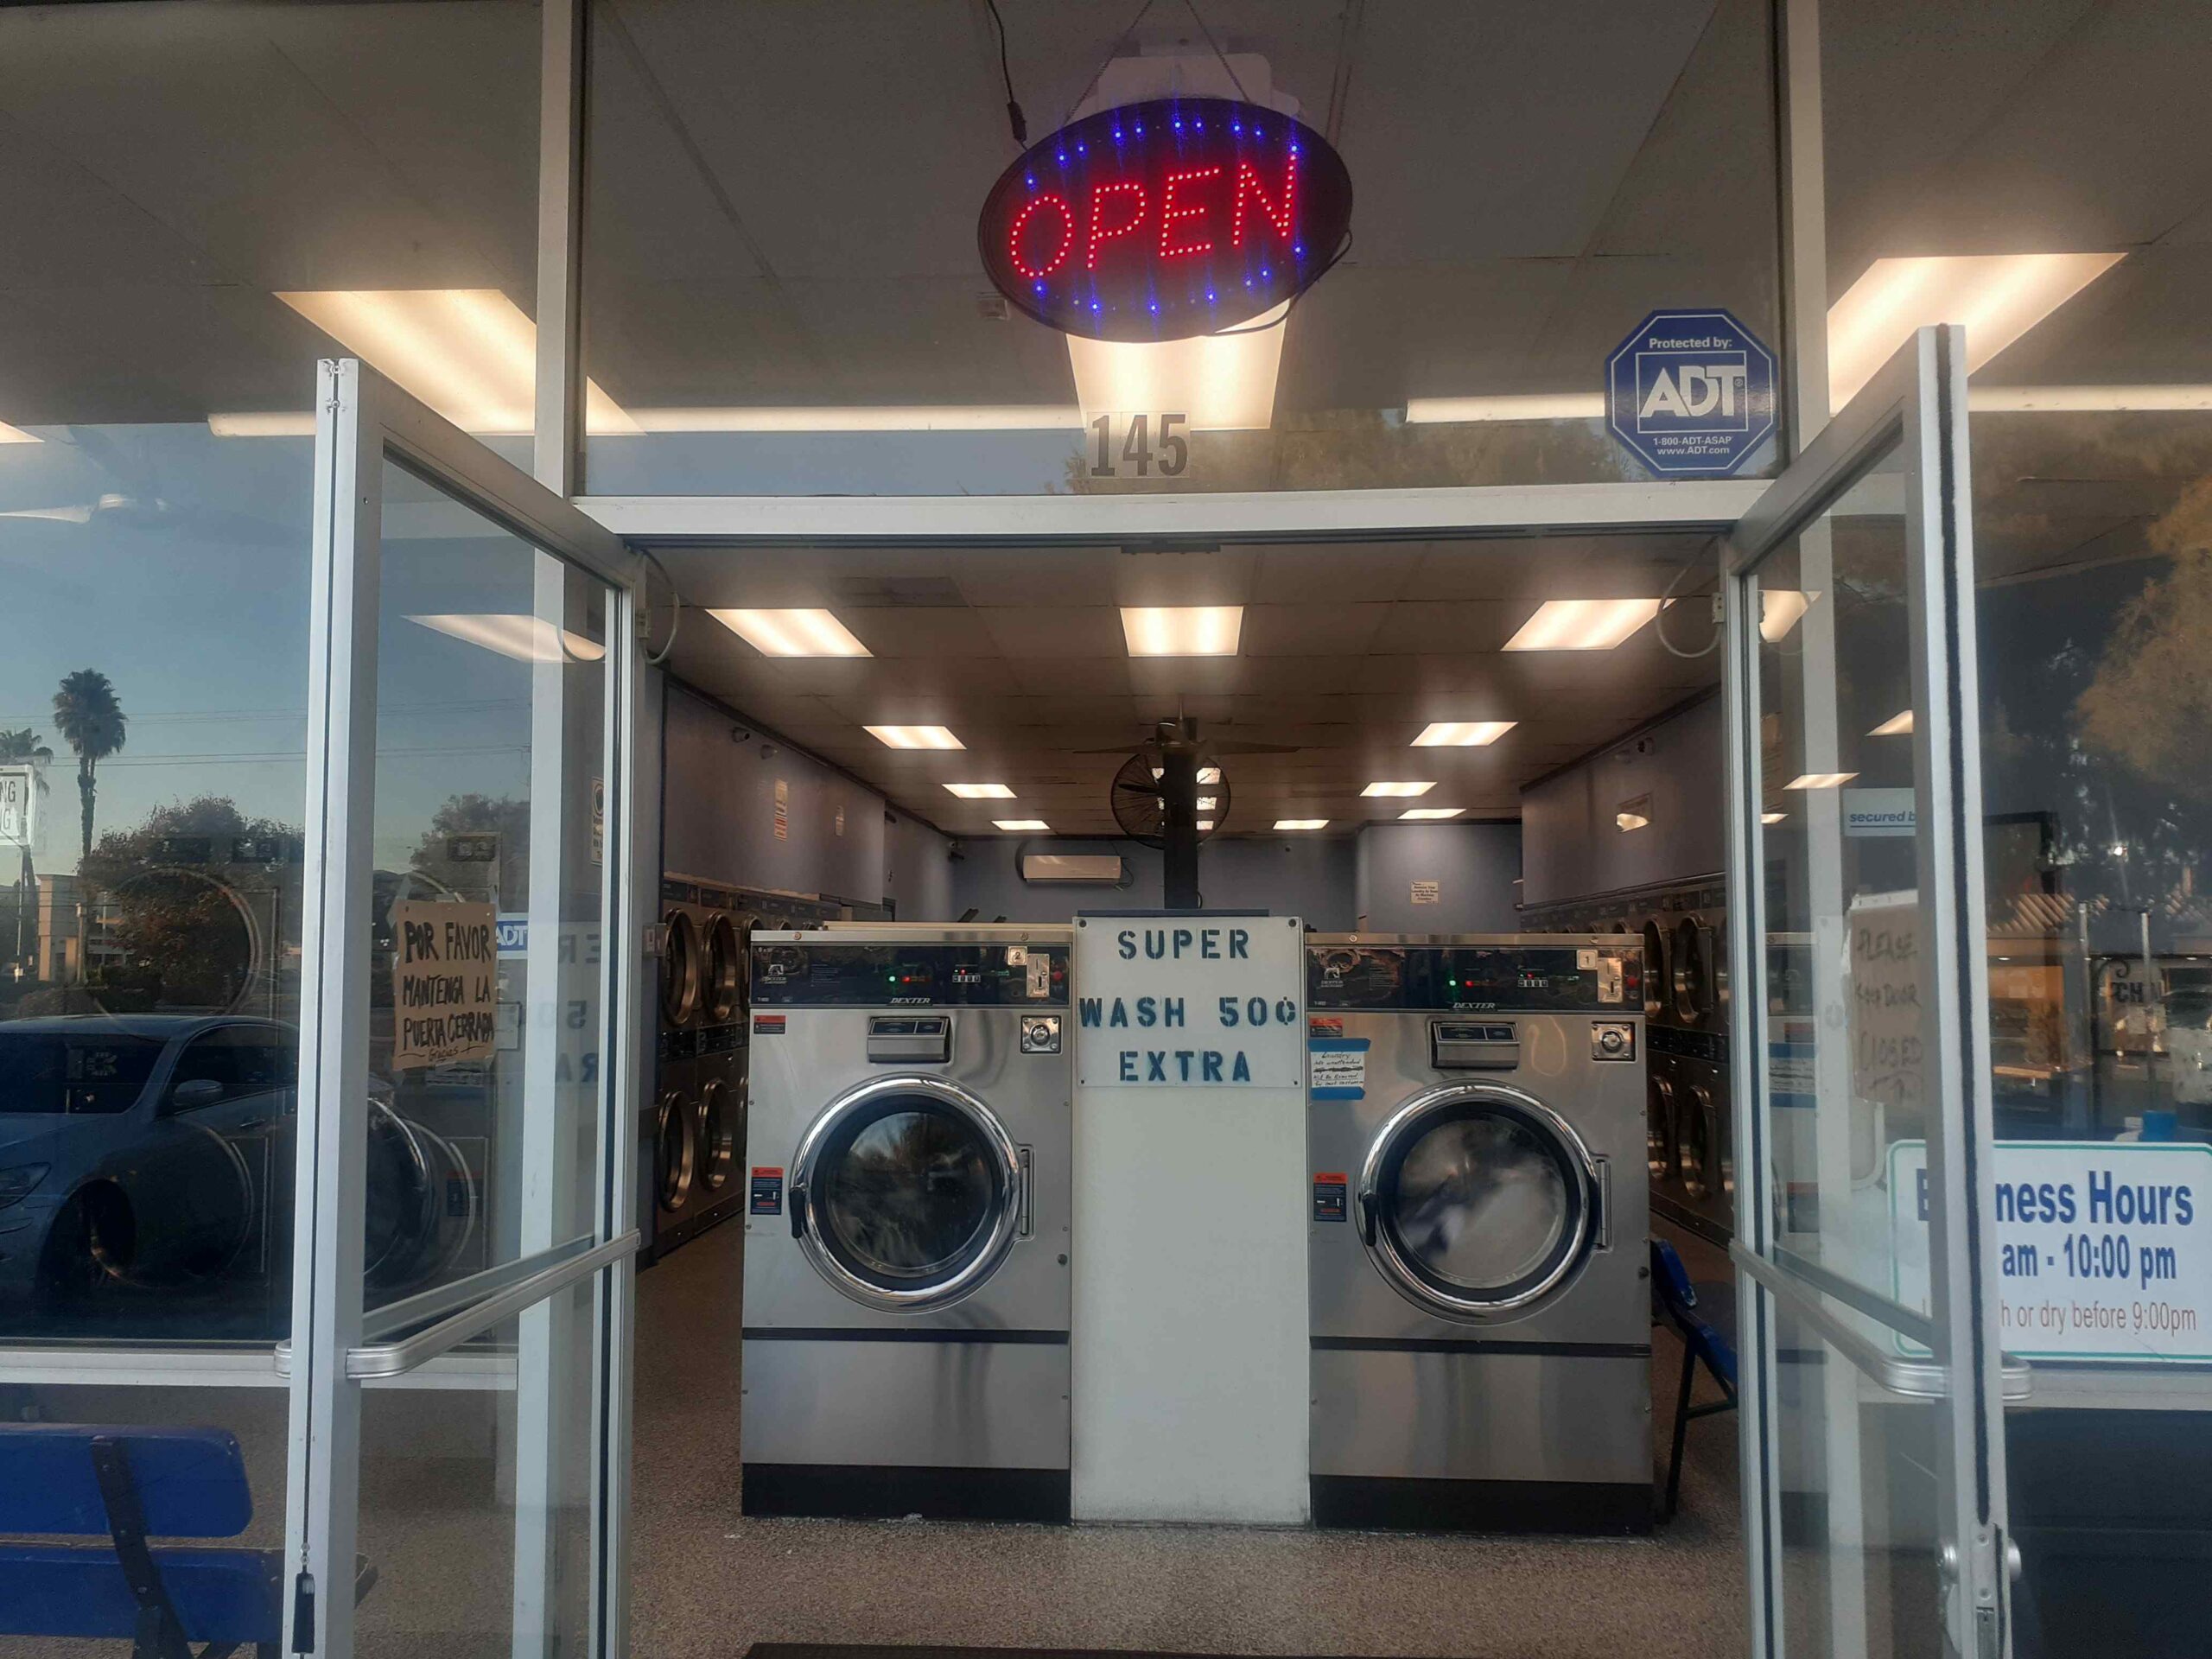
1997 297
1772 818
1780 610
1206 774
791 633
1399 789
1461 733
981 791
1819 779
1019 823
468 352
1182 630
525 639
914 737
1208 803
1301 823
1416 813
1205 824
1898 724
1582 624
1625 822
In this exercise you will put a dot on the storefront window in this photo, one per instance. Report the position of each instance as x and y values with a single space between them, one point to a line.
2046 200
783 294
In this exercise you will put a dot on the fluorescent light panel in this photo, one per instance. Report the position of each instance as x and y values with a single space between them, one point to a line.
1429 814
1625 822
1399 789
1182 630
1772 818
525 639
1780 610
1999 297
1819 779
791 632
1582 624
1301 823
468 352
914 737
1461 733
1898 724
1533 406
981 791
1019 823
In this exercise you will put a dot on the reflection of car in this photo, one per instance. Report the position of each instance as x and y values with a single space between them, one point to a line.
146 1173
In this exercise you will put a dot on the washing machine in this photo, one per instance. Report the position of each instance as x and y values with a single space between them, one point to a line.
671 1162
908 1198
1693 1164
1477 1272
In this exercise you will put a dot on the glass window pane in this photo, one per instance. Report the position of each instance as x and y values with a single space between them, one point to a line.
485 1012
784 293
152 796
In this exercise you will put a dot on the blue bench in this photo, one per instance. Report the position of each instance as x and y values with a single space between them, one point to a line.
1703 1316
128 1484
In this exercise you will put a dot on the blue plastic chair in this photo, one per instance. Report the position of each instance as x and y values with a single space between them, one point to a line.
128 1484
1707 1325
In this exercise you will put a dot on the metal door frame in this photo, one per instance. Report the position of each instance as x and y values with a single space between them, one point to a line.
1917 404
361 422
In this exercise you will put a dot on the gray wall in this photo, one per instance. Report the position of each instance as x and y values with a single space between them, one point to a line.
719 816
1474 866
1574 849
918 877
1306 876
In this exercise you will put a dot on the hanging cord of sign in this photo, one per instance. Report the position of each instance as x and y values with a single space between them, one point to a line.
675 605
1014 118
1659 619
1123 40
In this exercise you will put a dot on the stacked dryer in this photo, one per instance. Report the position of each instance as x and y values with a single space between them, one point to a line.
695 1129
1480 1303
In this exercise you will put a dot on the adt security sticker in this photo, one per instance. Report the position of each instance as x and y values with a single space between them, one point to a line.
1691 392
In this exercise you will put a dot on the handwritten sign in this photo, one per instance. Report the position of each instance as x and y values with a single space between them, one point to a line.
445 992
1888 1058
1189 1002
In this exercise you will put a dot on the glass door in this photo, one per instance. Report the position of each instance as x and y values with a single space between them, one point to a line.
1873 1384
458 1402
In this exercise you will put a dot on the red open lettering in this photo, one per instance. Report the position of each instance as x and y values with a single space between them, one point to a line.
1101 232
1247 185
1169 212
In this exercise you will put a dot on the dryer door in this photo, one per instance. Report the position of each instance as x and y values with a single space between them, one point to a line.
722 971
1478 1201
907 1193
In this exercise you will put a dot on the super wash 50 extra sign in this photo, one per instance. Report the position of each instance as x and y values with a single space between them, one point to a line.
1190 1002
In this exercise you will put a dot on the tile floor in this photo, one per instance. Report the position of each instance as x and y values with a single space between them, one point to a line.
706 1581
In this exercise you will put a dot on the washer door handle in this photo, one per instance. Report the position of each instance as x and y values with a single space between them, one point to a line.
1366 1216
797 1201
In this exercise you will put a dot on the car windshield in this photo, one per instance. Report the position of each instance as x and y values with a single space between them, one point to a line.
59 1072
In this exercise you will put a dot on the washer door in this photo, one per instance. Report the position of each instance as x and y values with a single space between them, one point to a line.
722 1131
907 1193
680 970
1478 1201
1655 970
676 1151
1694 1136
1693 973
723 968
1659 1120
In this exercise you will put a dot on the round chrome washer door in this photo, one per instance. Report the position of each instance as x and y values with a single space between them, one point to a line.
722 1127
1477 1201
909 1193
721 976
676 1150
680 970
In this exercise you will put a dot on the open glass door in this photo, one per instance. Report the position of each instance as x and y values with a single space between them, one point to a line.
458 1346
1873 1385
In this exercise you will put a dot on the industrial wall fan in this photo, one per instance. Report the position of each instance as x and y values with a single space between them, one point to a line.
1172 793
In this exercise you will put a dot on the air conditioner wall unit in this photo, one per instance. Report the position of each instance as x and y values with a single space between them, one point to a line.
1072 869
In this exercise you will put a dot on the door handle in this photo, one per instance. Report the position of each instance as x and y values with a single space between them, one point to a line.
1367 1217
798 1211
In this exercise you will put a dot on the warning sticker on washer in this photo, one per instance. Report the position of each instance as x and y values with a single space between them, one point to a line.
768 1192
1335 1068
1329 1188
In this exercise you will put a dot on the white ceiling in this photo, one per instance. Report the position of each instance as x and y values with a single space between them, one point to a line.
1347 652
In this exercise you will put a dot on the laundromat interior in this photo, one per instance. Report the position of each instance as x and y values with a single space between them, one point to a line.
1578 795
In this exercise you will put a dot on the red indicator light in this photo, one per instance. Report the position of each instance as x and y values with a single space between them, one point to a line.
1021 223
1281 215
1169 212
1100 234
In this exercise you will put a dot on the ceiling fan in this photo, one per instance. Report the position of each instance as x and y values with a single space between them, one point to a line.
1172 793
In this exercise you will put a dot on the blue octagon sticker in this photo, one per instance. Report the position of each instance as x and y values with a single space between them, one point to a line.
1691 392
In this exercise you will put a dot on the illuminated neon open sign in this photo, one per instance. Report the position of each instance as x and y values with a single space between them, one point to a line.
1163 220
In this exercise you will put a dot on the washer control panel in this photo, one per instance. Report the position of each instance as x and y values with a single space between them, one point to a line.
1040 1033
1612 1039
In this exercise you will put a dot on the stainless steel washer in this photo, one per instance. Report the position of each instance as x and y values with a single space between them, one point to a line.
1481 1340
908 1207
